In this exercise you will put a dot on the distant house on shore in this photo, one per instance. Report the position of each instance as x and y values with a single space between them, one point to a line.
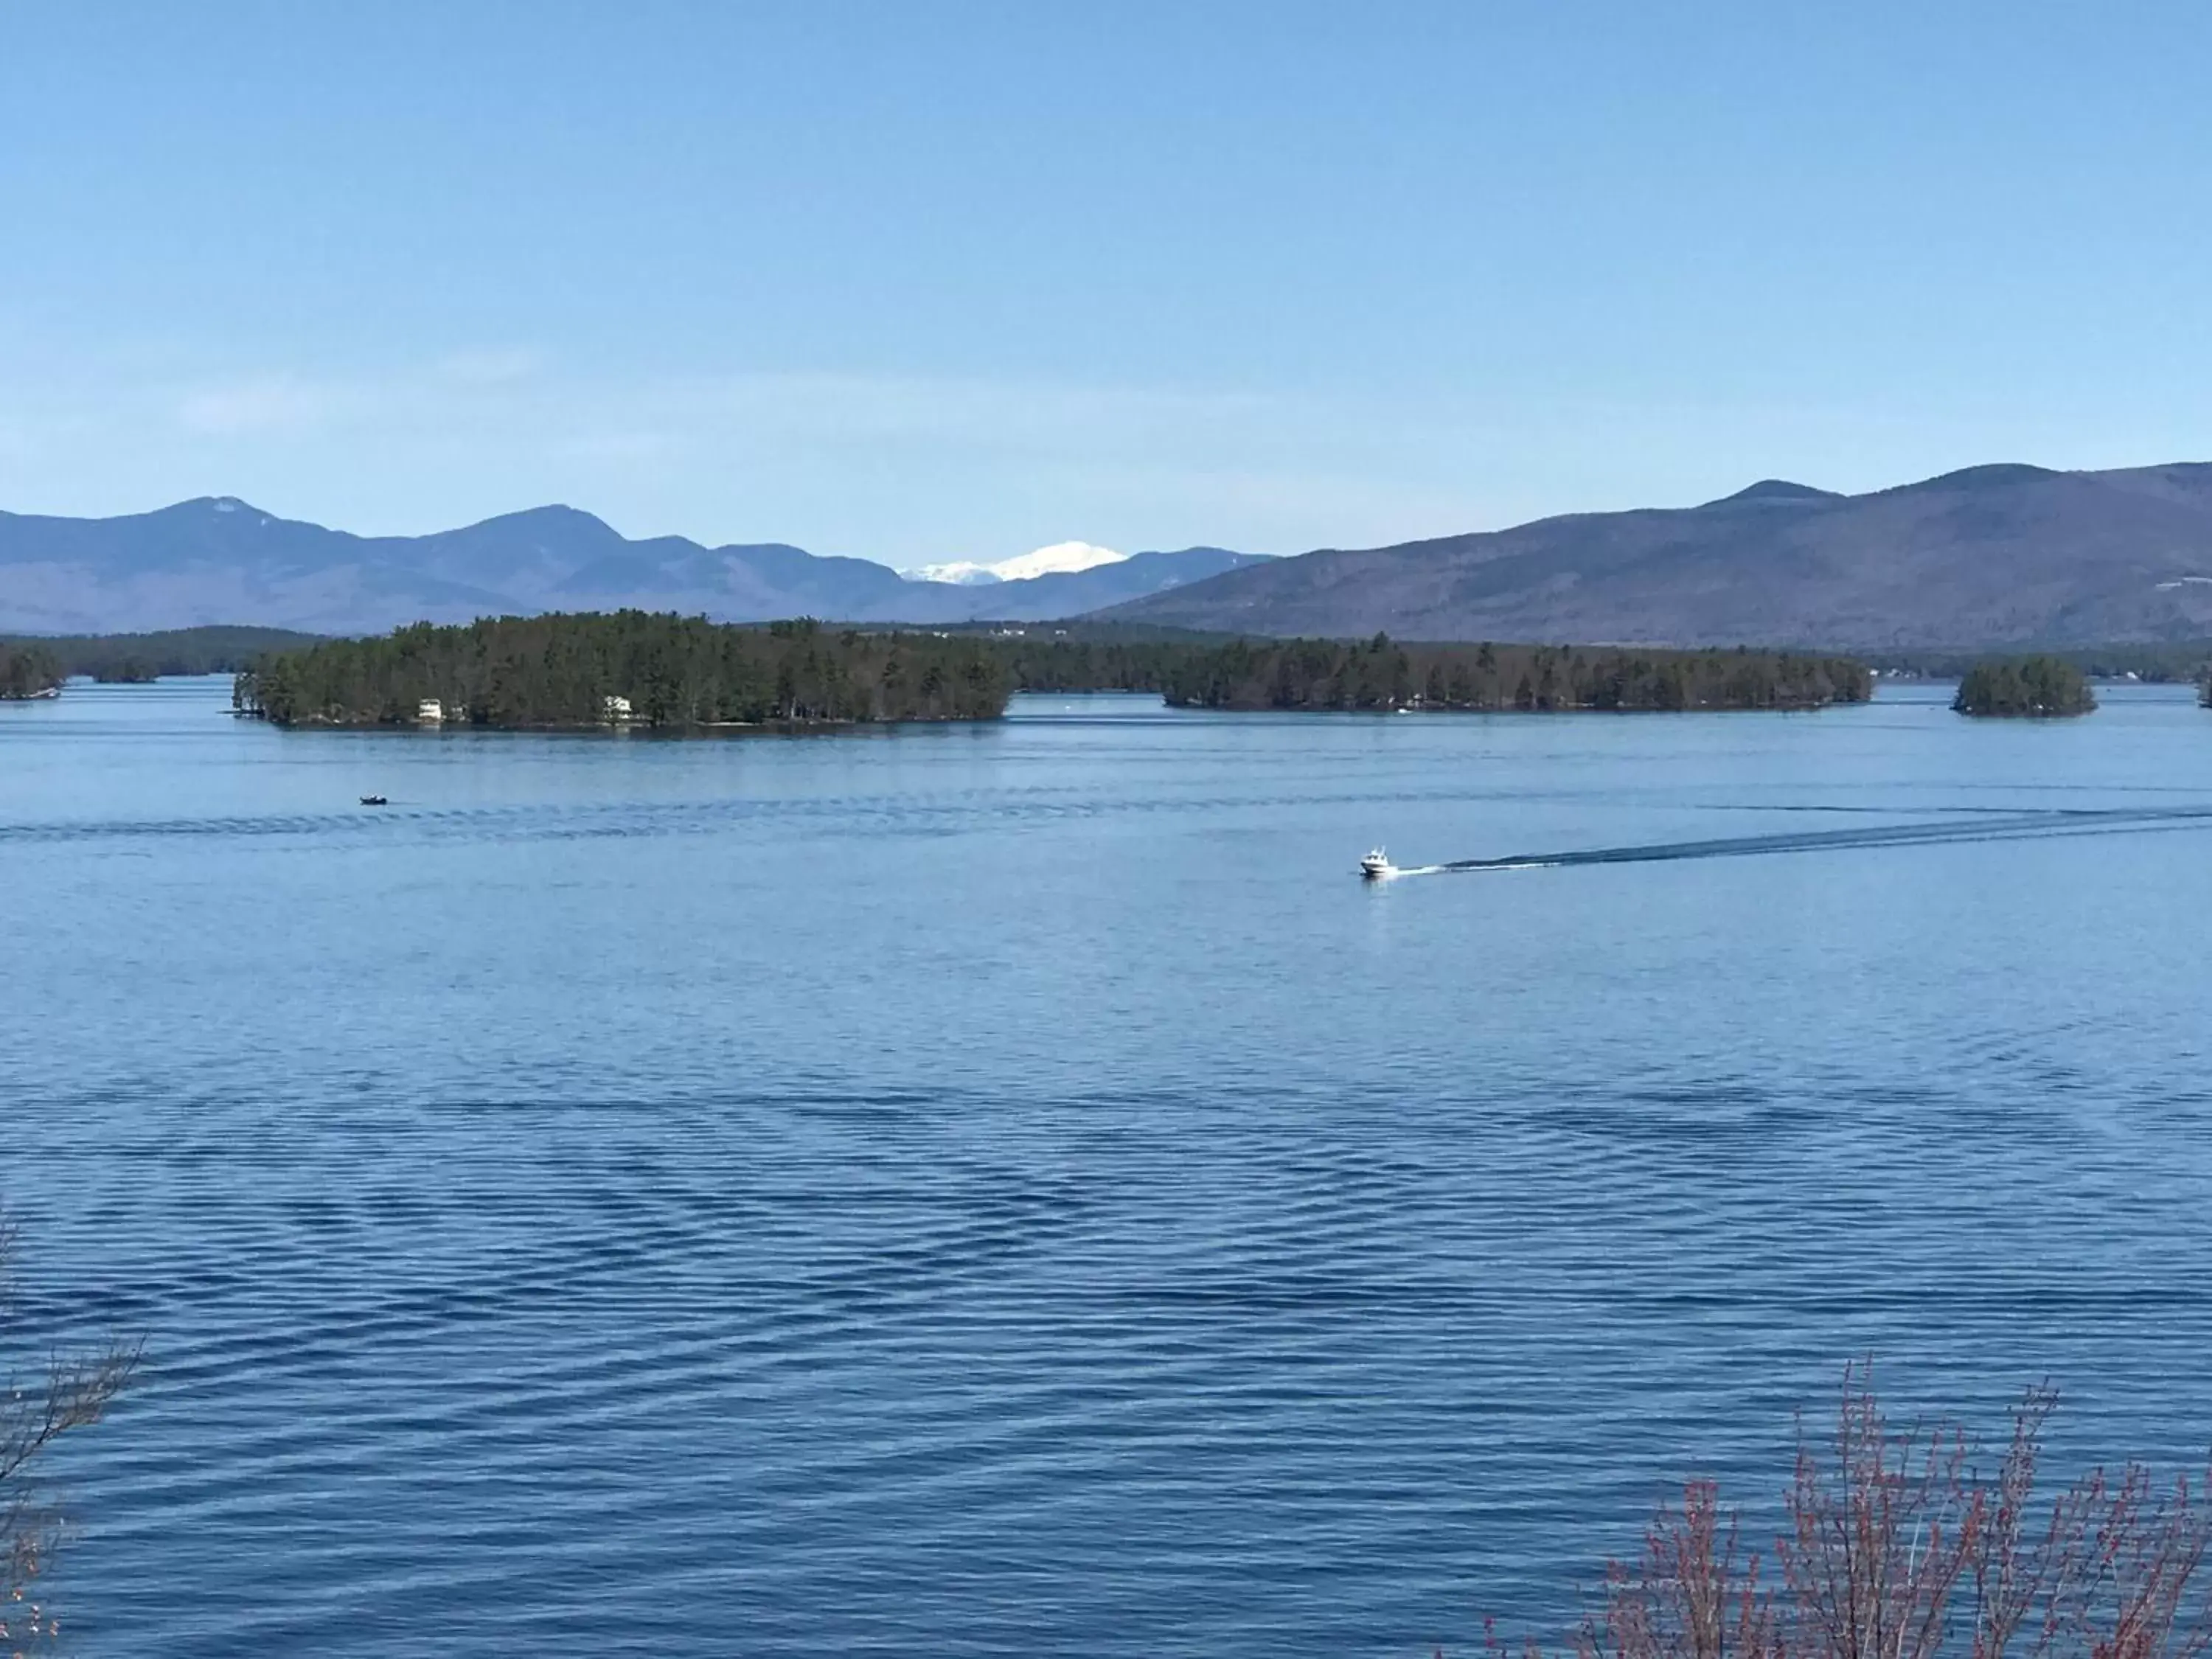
431 712
615 710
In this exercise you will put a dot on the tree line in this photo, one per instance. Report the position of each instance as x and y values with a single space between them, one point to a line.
1095 664
1381 673
660 671
2169 662
133 659
674 672
27 670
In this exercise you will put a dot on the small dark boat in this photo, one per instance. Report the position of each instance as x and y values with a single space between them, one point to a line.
374 800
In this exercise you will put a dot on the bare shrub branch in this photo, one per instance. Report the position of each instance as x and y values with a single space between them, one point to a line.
75 1391
1898 1547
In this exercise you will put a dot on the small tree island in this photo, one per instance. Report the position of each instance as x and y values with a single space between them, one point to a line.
2031 688
28 670
628 668
1382 674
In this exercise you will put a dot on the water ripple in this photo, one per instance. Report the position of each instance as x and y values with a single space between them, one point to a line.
1069 1214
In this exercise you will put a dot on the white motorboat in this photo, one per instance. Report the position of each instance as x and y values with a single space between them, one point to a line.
1376 864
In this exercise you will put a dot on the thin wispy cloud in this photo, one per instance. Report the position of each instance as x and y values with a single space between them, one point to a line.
491 366
615 447
904 467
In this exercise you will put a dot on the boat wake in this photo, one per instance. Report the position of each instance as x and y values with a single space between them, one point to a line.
2013 826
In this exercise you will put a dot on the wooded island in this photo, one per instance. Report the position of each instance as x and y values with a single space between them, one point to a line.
627 668
1380 673
136 659
2035 688
674 672
28 670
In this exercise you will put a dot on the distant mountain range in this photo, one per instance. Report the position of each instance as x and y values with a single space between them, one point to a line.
221 560
1992 555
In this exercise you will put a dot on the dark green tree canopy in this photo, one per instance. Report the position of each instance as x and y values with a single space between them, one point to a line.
1381 673
28 670
631 666
2038 688
134 657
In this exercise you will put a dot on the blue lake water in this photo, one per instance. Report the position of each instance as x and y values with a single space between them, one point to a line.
1014 1191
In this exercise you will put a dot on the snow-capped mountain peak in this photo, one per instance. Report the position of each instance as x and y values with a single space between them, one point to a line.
1061 558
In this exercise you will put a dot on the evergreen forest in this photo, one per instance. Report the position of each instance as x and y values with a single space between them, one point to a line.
1104 664
2039 687
657 670
2168 662
1380 673
27 670
674 672
133 659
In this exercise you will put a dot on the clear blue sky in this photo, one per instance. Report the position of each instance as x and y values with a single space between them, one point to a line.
925 281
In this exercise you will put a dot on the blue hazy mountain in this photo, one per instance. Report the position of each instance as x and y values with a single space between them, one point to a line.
1987 556
218 559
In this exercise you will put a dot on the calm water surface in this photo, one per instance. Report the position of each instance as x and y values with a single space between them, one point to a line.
1012 1191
